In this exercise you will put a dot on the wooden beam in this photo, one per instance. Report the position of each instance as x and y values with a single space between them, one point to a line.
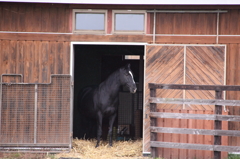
69 37
194 87
194 116
194 131
228 39
195 101
196 39
194 146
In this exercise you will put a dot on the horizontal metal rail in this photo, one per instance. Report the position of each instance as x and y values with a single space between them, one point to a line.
34 145
187 11
52 75
35 149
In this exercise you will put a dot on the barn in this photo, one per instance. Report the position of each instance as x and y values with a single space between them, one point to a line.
50 50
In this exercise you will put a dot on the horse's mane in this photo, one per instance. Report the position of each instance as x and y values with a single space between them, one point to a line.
111 78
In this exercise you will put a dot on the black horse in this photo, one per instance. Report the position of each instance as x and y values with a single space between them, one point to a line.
102 101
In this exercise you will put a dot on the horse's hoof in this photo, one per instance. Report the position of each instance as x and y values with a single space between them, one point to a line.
97 146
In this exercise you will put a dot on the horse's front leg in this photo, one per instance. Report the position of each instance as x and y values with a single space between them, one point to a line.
99 129
111 121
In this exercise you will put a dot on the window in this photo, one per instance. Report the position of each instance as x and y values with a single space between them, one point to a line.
129 21
132 57
89 21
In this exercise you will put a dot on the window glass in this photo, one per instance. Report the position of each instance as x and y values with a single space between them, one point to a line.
129 22
90 21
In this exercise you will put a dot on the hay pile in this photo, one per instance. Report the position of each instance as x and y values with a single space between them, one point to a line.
85 149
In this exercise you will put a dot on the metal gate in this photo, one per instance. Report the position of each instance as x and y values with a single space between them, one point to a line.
36 117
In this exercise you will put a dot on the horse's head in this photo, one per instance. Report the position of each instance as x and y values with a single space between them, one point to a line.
126 77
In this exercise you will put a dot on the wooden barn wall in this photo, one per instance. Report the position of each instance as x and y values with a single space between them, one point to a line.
188 23
35 38
33 18
233 78
35 60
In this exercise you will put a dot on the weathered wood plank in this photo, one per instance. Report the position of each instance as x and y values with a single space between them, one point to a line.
218 125
176 23
195 146
173 39
194 131
36 64
153 122
194 87
20 57
228 39
195 101
194 116
68 37
141 38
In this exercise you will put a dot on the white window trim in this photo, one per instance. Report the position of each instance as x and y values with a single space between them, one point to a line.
89 31
130 12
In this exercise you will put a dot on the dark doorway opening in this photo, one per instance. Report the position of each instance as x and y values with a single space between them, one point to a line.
92 65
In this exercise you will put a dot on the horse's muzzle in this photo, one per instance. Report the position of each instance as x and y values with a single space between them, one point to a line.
133 90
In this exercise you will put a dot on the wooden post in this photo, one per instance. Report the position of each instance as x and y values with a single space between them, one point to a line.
153 122
217 125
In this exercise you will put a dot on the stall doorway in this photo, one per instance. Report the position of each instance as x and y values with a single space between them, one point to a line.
92 65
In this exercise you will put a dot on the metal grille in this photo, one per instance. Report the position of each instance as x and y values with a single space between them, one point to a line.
53 112
36 115
125 108
17 114
130 113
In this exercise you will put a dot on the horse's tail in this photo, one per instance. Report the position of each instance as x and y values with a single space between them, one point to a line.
86 91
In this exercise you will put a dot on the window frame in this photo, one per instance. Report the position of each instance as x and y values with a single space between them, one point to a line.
75 11
129 12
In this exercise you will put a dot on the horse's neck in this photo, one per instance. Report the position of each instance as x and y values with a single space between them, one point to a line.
112 84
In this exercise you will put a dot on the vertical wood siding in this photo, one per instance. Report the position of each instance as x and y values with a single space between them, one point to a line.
233 78
229 23
35 60
30 18
175 23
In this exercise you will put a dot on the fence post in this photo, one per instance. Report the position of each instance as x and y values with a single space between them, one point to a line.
35 113
217 124
153 122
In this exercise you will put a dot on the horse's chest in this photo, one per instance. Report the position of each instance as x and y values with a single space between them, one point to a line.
108 105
